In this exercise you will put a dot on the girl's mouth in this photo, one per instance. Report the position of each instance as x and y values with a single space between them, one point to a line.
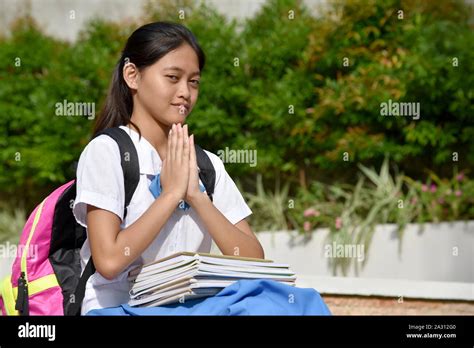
183 110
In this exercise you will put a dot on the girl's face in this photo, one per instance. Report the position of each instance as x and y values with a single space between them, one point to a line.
168 89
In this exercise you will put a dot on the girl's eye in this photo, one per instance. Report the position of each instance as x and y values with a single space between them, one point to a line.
175 78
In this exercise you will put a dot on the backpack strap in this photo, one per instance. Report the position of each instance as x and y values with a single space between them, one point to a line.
129 162
131 176
207 173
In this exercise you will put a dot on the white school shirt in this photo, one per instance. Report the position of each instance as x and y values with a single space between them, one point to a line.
100 183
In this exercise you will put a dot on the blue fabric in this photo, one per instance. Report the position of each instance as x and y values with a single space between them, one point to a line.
155 189
244 297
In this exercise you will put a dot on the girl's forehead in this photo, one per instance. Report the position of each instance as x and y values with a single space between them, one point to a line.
182 59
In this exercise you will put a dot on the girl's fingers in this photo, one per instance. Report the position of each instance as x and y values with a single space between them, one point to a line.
192 153
168 151
185 133
173 143
179 148
186 144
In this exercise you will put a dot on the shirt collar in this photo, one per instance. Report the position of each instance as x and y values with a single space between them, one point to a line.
148 157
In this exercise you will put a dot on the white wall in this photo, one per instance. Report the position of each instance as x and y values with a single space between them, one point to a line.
54 15
443 252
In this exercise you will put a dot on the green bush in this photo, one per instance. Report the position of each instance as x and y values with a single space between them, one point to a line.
275 83
405 60
37 72
351 212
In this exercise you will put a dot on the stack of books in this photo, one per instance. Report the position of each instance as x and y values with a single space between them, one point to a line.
187 275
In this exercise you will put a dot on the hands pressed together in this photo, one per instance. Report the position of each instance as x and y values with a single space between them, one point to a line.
179 173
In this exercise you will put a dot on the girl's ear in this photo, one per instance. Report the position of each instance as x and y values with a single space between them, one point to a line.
131 75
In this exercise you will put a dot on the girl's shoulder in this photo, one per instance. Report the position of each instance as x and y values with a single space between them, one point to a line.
101 141
216 161
102 149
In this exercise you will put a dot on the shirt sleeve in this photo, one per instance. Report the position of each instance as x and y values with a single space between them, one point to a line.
99 180
227 197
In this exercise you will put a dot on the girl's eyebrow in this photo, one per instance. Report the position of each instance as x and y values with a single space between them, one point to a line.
177 68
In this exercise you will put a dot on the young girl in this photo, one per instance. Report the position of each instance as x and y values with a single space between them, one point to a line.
154 88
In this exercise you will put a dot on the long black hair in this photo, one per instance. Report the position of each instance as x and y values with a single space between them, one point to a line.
144 47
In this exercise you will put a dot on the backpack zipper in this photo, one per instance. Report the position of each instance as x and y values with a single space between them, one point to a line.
22 304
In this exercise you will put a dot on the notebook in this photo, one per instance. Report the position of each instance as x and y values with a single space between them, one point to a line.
186 275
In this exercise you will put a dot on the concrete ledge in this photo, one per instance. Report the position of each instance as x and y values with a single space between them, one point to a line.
441 252
388 287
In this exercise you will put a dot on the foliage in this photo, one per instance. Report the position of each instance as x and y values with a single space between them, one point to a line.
37 72
12 221
270 207
353 211
275 82
403 60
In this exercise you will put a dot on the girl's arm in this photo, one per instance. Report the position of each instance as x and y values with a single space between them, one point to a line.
236 240
112 251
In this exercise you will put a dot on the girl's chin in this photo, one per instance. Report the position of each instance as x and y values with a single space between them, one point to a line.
179 118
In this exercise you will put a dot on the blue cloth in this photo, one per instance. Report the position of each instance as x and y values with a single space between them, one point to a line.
155 189
244 297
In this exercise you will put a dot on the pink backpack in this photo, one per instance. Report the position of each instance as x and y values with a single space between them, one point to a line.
46 274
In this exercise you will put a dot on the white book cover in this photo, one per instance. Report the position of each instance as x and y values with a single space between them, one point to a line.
187 275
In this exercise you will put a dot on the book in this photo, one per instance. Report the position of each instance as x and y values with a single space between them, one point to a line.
186 275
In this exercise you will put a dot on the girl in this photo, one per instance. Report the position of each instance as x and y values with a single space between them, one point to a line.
154 88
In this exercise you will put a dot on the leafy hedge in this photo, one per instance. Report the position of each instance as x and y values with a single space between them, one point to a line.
276 83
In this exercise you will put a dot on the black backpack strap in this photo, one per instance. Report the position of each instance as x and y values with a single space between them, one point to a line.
75 308
131 176
129 161
207 173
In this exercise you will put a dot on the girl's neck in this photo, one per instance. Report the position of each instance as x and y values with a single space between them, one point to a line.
153 131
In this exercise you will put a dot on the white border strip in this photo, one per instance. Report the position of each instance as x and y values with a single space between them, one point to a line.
388 287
